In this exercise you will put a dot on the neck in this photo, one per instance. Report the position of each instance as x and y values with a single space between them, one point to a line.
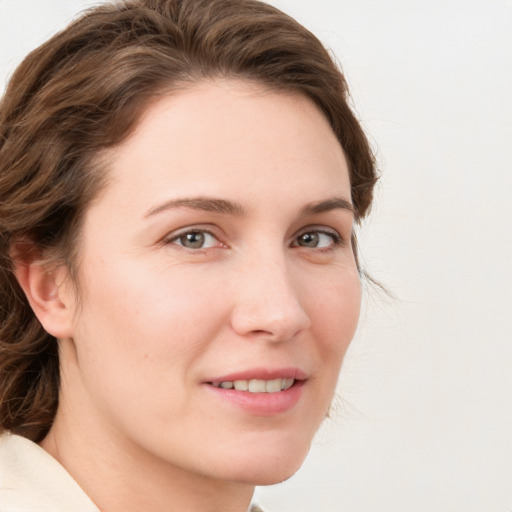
120 478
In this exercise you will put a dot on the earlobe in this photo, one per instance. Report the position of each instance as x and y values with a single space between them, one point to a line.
47 292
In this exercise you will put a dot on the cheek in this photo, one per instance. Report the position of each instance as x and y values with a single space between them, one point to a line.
132 314
138 337
336 313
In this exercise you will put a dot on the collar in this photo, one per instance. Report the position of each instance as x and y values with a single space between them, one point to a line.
31 480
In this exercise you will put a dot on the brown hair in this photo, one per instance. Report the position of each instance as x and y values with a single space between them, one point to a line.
83 91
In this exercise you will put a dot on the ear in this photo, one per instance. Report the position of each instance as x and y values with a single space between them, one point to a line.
47 288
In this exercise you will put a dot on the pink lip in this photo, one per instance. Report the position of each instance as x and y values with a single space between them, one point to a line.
261 404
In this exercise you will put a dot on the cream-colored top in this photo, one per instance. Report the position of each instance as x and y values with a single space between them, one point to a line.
31 480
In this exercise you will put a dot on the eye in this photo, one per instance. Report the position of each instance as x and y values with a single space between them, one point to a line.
317 239
195 239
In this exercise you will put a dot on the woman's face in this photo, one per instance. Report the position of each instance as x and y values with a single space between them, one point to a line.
217 258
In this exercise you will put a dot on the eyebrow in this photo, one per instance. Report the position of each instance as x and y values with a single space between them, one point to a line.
327 205
223 206
206 204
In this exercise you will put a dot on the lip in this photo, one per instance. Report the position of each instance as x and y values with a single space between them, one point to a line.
260 404
261 374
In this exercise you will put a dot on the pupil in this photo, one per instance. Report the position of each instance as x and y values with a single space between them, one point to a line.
309 239
193 240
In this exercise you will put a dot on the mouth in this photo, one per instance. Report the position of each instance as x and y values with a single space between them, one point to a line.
260 392
256 385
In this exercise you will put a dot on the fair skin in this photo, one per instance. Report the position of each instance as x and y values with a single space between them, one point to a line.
219 251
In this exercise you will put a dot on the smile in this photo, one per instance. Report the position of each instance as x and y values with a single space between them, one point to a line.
257 385
260 397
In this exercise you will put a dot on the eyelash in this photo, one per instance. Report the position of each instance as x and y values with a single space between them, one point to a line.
336 239
174 239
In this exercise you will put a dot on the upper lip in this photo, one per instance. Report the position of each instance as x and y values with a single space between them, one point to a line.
262 374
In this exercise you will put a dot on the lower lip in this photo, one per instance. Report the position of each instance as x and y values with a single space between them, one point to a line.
262 404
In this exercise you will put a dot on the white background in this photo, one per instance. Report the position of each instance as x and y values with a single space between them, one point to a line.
423 421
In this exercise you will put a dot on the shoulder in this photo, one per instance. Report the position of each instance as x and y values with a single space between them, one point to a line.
33 481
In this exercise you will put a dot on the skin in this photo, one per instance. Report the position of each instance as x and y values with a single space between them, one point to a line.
157 318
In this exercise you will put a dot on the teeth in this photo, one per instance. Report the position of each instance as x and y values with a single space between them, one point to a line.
273 386
288 383
241 385
258 386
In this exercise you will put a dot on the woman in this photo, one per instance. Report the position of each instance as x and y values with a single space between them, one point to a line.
179 181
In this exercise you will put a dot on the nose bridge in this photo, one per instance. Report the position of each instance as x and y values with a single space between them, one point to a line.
267 297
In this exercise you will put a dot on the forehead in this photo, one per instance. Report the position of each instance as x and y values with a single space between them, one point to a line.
219 137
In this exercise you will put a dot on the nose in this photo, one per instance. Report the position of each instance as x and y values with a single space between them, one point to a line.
267 301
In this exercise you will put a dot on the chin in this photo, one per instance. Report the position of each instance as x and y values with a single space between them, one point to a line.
272 475
265 456
274 469
275 477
